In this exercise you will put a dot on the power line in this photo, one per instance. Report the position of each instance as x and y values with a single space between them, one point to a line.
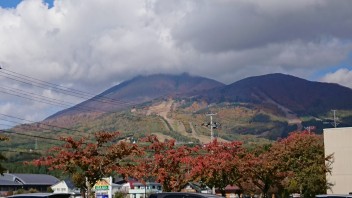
65 90
47 100
26 151
55 130
42 123
33 136
28 135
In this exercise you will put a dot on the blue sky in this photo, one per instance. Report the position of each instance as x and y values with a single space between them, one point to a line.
14 3
91 45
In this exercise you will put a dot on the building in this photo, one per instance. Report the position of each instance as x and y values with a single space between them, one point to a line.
107 187
231 191
196 188
66 186
338 141
13 182
140 190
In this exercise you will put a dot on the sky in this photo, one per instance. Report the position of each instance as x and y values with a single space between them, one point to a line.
91 45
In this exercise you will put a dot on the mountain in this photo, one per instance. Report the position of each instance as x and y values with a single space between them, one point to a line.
295 94
254 109
139 90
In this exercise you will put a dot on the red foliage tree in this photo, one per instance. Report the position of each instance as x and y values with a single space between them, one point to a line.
165 161
263 170
86 161
219 164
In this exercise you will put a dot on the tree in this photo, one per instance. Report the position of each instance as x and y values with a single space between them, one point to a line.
2 158
219 164
263 170
87 162
168 163
302 156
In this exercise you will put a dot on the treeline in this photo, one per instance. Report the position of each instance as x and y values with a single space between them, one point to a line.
296 164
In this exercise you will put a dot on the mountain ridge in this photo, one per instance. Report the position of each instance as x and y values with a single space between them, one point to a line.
141 89
175 106
297 94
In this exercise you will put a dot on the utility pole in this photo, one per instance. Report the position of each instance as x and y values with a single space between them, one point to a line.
335 119
211 126
335 122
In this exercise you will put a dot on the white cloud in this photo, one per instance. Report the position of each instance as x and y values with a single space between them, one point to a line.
90 44
342 76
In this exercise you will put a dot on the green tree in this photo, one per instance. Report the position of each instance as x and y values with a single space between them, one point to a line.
303 158
2 158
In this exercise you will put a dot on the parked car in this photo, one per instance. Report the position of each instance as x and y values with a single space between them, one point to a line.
182 195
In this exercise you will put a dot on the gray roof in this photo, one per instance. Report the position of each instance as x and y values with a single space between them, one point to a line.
69 184
8 183
29 179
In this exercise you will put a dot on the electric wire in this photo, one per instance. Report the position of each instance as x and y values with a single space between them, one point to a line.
27 80
28 135
68 91
23 126
48 140
56 128
55 89
47 100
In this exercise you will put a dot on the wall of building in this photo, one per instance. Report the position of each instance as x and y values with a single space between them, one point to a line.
60 187
338 141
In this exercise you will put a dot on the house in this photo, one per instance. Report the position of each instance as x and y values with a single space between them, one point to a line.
13 182
230 191
66 186
196 187
105 188
140 190
132 188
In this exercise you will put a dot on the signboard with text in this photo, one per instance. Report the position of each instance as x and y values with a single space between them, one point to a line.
101 185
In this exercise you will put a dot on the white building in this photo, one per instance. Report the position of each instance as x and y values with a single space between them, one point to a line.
66 186
140 190
338 141
105 188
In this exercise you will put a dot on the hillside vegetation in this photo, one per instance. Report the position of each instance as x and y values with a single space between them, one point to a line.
253 110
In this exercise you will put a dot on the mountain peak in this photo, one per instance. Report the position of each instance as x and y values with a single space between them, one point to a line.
141 89
297 94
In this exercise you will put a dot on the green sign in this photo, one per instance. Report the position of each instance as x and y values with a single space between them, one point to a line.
101 187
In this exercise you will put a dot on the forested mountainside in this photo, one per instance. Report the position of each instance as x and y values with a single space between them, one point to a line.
176 106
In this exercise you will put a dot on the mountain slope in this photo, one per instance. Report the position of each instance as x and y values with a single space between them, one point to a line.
139 90
174 106
296 94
